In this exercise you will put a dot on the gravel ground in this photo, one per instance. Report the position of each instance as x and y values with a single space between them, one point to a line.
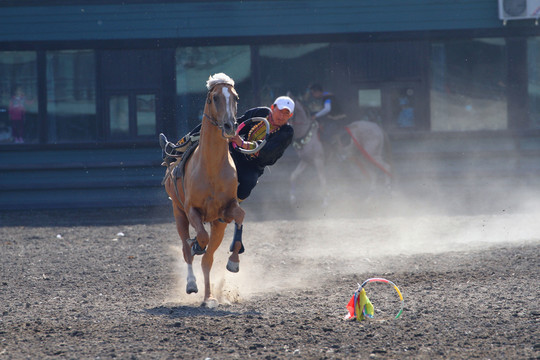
89 284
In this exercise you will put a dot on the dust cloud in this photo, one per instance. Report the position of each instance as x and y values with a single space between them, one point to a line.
300 251
369 232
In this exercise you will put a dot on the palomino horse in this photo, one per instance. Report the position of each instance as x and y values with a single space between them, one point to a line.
368 148
206 193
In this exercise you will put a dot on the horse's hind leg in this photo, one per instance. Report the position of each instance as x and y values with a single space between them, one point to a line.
374 148
182 226
319 166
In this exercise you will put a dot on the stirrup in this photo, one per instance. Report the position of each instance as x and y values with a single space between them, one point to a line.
169 149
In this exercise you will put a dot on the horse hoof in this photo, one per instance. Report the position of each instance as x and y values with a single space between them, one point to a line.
210 303
325 203
293 202
191 287
196 249
233 267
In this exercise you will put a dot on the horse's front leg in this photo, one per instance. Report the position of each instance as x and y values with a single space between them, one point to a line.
321 173
182 226
202 238
237 214
300 168
216 237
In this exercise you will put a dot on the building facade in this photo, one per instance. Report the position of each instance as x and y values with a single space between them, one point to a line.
80 78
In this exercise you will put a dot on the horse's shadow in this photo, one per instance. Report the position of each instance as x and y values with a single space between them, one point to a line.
175 312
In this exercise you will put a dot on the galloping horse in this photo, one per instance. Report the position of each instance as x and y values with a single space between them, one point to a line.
366 138
206 193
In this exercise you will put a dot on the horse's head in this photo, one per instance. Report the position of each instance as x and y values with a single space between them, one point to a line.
301 121
221 102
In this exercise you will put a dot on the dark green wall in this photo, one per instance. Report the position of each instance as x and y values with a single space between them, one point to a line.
33 179
241 18
82 178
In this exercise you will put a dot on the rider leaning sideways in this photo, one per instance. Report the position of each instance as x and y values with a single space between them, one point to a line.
250 167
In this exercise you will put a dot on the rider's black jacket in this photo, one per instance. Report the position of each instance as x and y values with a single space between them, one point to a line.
276 142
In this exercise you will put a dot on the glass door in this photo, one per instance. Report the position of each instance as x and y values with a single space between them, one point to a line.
132 115
393 105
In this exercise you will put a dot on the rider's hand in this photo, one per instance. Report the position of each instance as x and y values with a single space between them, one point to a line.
237 140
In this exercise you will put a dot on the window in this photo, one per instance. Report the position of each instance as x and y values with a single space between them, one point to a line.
146 114
132 115
292 68
119 115
194 65
18 97
468 85
71 96
533 86
401 106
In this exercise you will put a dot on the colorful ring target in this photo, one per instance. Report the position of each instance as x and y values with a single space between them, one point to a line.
360 306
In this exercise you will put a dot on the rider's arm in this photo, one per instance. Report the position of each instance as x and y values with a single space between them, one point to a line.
325 110
248 145
275 146
255 112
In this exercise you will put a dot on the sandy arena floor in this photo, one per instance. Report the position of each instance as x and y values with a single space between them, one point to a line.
110 283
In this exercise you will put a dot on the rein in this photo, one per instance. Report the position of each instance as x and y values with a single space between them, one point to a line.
300 143
366 154
212 120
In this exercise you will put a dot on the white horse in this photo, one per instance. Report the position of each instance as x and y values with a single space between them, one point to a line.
310 151
368 147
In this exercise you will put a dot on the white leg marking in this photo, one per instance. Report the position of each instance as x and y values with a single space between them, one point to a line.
191 275
191 286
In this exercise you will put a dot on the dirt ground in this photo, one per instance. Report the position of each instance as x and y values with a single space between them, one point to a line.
103 284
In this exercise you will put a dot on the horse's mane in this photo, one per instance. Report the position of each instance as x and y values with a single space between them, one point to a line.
219 78
299 108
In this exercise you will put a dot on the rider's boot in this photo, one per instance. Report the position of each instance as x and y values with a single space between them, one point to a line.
169 151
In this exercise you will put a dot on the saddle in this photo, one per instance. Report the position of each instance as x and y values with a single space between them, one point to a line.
177 168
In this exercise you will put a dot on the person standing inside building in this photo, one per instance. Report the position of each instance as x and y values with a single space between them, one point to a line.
17 112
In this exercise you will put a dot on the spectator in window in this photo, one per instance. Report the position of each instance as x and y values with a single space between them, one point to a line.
17 113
